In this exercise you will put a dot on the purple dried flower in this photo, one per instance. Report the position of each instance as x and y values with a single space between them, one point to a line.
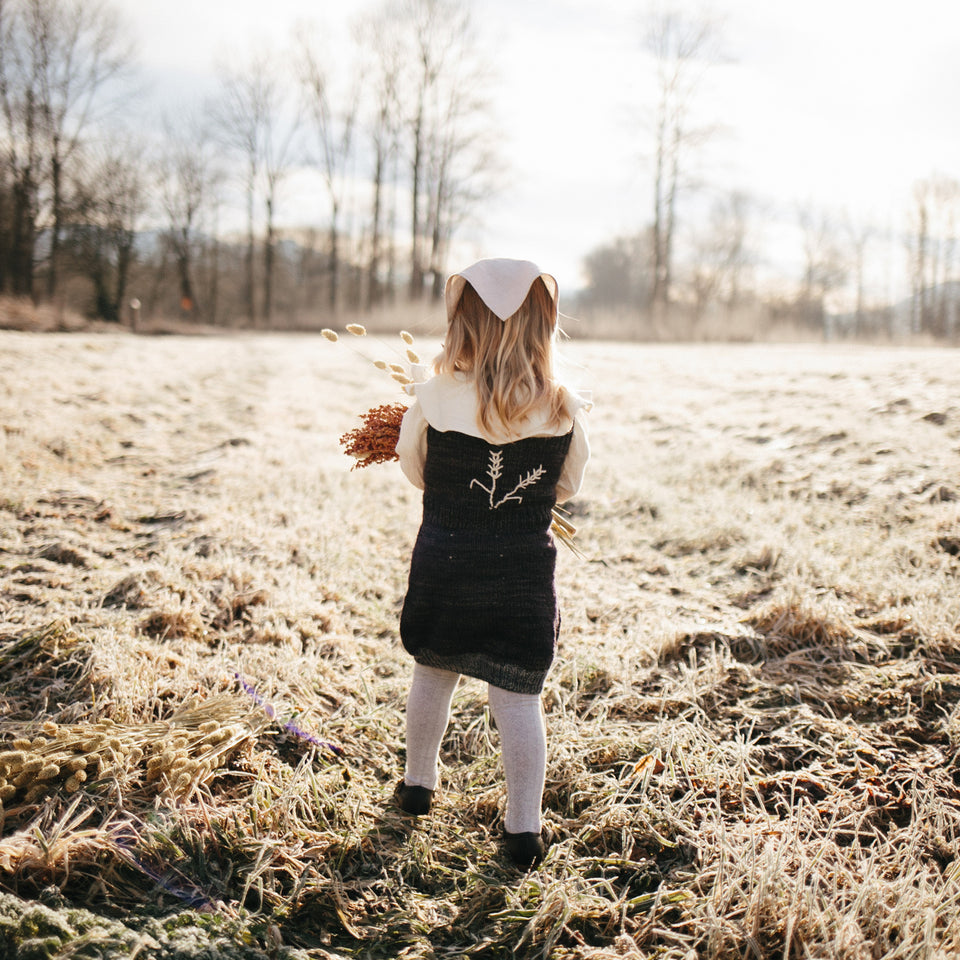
287 725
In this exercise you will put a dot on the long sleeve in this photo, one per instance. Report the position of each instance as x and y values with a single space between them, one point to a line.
412 444
574 466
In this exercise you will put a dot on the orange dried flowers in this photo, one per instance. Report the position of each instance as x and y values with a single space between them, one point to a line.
376 440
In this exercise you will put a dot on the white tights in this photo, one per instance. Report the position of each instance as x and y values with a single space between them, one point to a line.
523 739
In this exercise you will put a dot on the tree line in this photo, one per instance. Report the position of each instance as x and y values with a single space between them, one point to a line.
393 133
714 286
697 265
92 207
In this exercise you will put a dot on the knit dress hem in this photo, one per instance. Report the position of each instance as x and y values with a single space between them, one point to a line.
506 676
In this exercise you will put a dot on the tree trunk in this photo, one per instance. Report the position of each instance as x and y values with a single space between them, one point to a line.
103 303
658 253
392 232
920 275
268 259
188 303
249 287
373 270
56 232
213 293
669 233
437 234
124 261
334 262
6 216
416 176
23 239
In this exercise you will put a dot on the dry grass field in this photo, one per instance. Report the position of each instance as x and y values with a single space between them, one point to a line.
753 719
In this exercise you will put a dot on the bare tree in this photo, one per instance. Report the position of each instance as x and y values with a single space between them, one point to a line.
378 36
932 247
682 48
825 264
283 124
435 26
240 122
463 164
57 61
111 198
860 235
21 138
721 255
6 219
452 158
83 53
948 294
188 177
257 119
428 51
918 241
333 128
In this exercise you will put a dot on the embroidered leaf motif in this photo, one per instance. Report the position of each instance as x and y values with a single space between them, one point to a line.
494 472
494 469
528 481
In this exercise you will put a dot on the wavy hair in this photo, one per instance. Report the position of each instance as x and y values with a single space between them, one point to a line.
511 361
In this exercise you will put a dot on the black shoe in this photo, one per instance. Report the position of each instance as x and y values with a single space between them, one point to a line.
524 849
413 800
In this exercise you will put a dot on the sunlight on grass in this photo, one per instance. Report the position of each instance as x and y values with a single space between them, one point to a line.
752 718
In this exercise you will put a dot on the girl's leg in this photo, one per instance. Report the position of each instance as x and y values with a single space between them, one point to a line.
523 738
428 713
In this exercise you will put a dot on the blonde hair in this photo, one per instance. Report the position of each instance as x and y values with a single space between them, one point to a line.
511 361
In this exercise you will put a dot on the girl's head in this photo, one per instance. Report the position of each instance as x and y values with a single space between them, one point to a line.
502 318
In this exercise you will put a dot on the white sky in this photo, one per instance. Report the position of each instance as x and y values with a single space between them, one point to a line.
839 104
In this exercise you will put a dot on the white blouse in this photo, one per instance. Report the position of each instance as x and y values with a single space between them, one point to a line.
448 402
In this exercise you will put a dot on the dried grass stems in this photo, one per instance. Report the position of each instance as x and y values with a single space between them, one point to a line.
375 440
175 757
753 718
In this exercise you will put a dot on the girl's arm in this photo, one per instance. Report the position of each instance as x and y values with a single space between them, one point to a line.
412 444
571 477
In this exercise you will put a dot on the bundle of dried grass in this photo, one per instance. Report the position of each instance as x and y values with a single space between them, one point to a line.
173 757
565 531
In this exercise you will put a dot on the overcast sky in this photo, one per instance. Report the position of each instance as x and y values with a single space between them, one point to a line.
840 104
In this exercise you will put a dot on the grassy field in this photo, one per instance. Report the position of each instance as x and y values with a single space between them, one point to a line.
753 718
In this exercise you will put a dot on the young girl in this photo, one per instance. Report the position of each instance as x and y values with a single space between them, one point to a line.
494 441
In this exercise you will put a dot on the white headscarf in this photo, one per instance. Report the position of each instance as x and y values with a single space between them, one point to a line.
501 284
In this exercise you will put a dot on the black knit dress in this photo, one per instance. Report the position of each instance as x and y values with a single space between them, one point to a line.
481 598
